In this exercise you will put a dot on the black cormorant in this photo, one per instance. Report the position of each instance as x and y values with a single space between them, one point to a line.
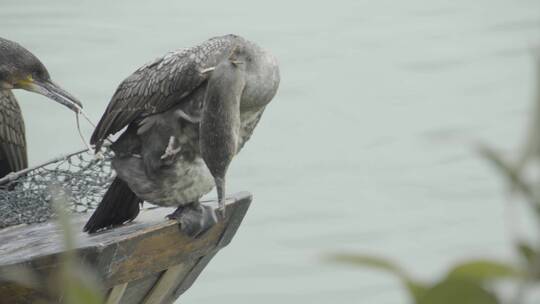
20 69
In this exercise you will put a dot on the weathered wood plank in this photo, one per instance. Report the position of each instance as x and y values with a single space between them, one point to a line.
116 294
190 278
15 293
167 282
137 252
228 233
138 289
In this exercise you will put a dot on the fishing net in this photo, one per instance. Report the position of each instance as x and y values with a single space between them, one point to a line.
26 196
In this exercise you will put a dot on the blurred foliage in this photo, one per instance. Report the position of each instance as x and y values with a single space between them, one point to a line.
472 281
465 283
73 282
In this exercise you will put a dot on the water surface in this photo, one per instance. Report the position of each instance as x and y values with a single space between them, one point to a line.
366 147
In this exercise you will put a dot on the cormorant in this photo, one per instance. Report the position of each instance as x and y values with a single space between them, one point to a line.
20 69
187 114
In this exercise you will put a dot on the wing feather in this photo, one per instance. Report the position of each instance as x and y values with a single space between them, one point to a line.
161 84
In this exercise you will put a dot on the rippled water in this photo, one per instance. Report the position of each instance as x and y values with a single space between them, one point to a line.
366 147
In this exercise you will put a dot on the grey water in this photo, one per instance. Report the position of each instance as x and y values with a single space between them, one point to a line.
369 145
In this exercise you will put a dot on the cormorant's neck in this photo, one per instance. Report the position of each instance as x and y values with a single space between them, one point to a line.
220 122
262 80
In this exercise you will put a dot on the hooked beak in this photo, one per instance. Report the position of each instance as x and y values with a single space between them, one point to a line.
53 91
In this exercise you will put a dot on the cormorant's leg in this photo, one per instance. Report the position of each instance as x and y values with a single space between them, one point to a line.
171 151
194 219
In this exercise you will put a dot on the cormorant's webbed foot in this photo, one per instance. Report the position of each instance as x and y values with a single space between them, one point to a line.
194 219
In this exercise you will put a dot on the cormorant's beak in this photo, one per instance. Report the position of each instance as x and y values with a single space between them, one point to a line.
53 91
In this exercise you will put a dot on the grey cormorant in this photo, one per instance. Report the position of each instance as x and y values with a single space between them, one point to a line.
187 114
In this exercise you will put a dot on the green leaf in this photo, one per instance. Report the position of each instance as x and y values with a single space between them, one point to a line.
482 270
527 252
79 288
78 293
369 261
512 174
457 291
415 289
532 257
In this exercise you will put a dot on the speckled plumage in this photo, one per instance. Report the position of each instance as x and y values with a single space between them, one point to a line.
13 155
15 62
161 84
163 100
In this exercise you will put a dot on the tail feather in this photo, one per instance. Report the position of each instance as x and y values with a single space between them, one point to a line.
119 205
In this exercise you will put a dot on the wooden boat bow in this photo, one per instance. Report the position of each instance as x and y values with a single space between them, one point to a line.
147 261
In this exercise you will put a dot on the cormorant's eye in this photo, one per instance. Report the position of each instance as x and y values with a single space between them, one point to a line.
39 74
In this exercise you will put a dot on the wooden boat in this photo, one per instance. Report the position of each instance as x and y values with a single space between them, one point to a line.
147 261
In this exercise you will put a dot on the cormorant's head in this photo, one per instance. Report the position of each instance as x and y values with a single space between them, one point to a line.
20 69
239 56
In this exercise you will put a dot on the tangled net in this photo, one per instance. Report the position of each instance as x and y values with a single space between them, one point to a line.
26 196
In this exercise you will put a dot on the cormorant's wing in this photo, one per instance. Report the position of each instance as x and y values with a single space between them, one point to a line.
13 155
161 84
